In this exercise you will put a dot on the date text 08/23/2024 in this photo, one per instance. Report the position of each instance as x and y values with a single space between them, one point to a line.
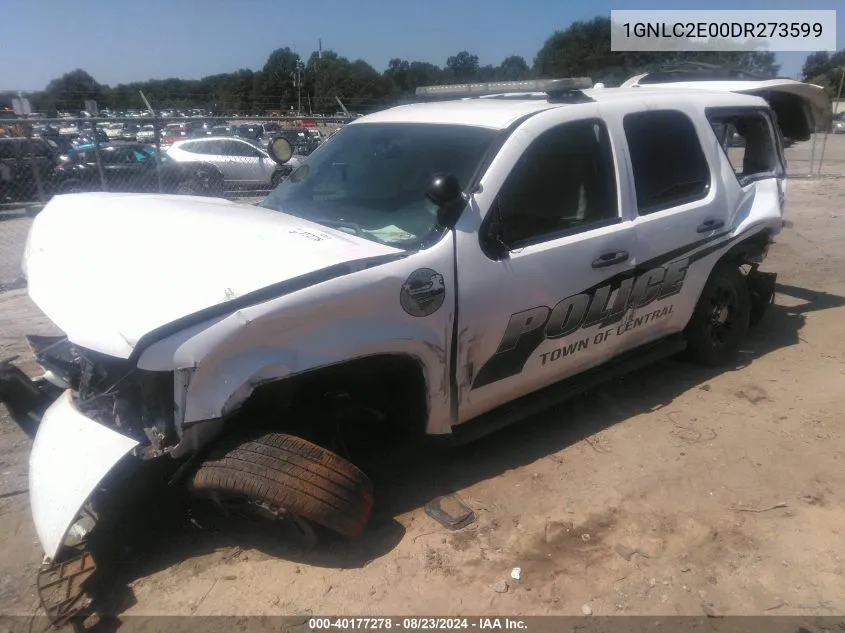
415 623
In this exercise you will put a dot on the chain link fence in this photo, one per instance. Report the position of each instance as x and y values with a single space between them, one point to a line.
208 156
220 157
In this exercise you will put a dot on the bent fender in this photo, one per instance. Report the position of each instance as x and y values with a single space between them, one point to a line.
71 455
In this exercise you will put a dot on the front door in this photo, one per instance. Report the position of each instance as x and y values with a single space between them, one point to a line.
539 292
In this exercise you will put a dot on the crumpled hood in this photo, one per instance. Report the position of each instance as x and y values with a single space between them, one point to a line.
108 268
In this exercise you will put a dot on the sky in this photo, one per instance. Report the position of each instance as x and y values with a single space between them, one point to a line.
118 41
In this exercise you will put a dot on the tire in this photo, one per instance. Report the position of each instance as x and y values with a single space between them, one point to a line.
289 473
208 181
187 188
720 320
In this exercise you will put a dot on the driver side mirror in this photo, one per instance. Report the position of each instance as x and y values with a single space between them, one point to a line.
280 150
444 190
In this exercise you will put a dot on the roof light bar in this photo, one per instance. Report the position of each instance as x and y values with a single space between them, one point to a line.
502 87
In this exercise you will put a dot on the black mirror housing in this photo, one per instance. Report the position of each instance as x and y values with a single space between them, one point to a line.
443 190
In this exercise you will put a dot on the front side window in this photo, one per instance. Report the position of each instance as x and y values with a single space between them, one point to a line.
667 160
564 182
370 178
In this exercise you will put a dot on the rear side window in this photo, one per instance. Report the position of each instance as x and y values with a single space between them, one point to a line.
667 160
748 139
206 147
234 148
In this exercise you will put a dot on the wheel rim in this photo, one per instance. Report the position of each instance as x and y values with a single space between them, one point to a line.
292 527
722 314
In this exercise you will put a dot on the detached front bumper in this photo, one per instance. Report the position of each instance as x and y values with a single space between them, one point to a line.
71 455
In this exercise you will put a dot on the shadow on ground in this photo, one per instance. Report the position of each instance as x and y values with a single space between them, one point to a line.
406 477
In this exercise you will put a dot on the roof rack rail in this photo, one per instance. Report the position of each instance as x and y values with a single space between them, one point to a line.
553 88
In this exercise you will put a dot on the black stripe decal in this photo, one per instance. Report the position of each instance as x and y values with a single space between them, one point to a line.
511 360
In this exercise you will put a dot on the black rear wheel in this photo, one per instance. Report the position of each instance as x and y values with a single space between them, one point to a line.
721 317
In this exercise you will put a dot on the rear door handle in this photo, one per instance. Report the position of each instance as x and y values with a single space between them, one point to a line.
610 259
710 225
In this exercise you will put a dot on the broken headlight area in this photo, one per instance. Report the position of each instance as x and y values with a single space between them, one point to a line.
113 391
135 402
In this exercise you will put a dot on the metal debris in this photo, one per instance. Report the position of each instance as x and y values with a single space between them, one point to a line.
61 587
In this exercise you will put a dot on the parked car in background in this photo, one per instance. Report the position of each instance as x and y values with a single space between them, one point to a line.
198 129
239 163
145 134
17 180
130 132
250 132
114 131
70 129
223 130
132 168
173 133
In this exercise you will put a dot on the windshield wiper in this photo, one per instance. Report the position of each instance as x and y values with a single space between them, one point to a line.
341 224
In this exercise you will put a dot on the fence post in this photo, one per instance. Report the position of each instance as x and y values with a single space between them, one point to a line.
827 127
821 157
98 158
157 137
32 161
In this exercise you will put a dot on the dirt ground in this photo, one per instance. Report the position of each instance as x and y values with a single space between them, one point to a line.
673 491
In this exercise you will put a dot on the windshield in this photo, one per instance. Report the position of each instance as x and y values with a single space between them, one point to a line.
370 178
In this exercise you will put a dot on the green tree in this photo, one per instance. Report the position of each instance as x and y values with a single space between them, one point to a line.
463 66
70 91
513 68
279 79
397 74
824 69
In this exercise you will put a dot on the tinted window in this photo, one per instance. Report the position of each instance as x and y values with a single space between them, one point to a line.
667 160
114 156
233 148
205 148
565 181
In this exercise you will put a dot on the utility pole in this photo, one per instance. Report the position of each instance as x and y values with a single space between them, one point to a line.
299 86
838 101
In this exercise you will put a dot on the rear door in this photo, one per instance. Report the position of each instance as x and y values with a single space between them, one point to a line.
246 162
679 206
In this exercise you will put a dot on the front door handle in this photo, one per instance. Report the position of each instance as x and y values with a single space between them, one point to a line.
710 225
610 259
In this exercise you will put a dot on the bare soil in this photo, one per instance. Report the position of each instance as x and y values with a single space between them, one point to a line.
674 490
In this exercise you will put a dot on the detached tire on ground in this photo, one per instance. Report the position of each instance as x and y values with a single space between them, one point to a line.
288 473
720 320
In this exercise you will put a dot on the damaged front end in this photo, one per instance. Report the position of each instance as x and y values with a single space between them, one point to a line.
110 391
87 413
